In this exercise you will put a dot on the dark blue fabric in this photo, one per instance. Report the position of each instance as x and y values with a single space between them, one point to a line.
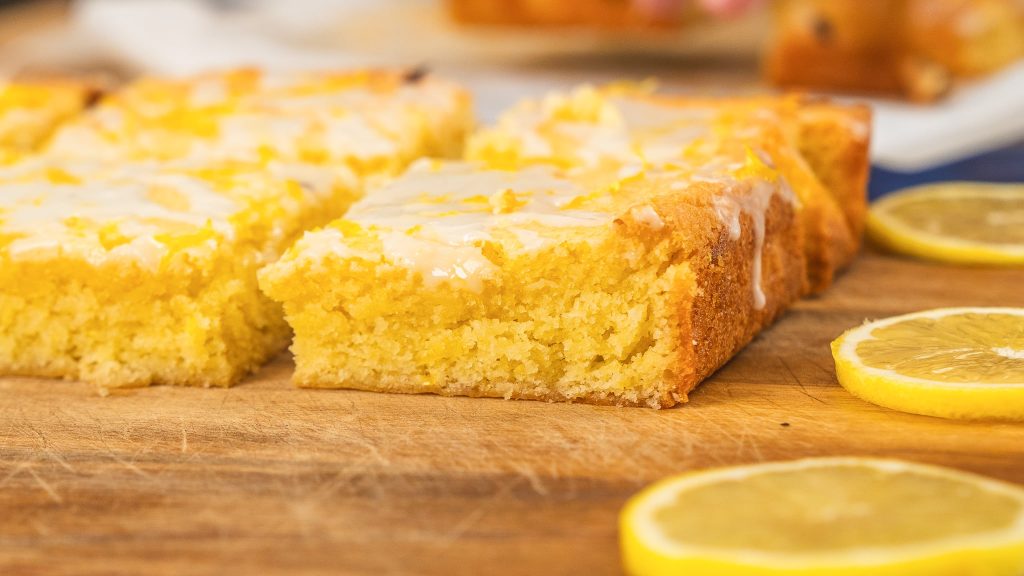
1003 165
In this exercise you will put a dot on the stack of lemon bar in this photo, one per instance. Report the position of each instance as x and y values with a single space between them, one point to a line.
129 244
604 245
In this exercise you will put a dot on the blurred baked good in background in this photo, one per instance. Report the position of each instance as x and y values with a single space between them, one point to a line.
610 14
906 48
911 48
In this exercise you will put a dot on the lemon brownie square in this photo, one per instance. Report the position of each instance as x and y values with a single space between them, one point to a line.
145 273
542 283
30 110
820 146
370 122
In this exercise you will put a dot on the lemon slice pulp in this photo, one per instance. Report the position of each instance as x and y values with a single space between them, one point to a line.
959 222
825 517
949 362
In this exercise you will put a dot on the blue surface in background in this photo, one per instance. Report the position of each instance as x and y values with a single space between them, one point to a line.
1002 165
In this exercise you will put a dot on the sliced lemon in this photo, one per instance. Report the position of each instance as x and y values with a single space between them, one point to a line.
949 362
826 517
959 222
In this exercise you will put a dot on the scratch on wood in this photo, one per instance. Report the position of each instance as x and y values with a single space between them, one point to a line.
56 457
533 478
462 526
46 445
17 469
224 397
740 439
129 465
184 437
46 487
473 516
755 446
362 439
828 369
800 384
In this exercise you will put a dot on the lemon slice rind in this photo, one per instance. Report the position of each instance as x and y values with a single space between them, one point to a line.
896 235
888 388
645 545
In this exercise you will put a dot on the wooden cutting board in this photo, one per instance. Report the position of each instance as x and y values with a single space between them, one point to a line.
266 479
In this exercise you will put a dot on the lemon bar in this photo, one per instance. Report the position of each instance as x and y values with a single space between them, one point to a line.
129 245
145 273
31 110
544 283
820 147
372 122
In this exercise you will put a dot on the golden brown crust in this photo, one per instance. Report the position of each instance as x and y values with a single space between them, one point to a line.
831 247
723 317
835 141
829 172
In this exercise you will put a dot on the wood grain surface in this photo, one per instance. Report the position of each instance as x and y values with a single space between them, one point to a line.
266 479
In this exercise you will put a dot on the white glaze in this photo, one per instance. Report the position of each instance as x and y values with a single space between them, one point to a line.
434 220
647 216
635 130
352 121
51 219
44 214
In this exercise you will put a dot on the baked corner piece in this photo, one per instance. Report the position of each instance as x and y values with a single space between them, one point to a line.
31 110
135 274
910 48
819 147
544 283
